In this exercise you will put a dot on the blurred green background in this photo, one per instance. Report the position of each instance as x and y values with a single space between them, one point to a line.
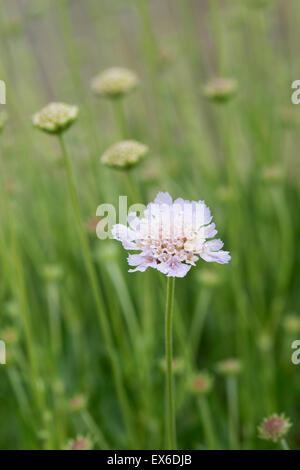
240 156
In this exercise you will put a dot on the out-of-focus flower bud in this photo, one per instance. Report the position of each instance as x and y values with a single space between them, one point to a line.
177 365
291 323
55 118
124 154
272 174
77 403
220 89
201 383
114 82
52 272
80 443
231 366
209 277
274 427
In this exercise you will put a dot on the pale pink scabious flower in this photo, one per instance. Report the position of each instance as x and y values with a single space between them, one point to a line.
171 236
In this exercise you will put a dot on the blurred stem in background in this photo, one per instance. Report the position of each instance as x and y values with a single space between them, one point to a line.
119 113
233 413
105 328
170 404
208 427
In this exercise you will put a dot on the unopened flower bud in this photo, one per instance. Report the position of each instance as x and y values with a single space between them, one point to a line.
3 119
272 174
201 383
52 272
274 427
55 118
124 154
114 82
77 403
209 277
10 336
177 365
291 323
229 366
220 89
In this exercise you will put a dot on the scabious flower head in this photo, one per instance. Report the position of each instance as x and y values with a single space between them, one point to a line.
274 427
55 118
229 367
220 89
201 383
171 236
291 323
3 119
124 154
114 82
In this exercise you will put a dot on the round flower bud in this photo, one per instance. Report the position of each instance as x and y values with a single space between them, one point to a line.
3 119
274 427
52 272
114 82
55 118
10 336
209 277
77 403
220 89
229 366
124 154
272 174
291 323
177 365
201 383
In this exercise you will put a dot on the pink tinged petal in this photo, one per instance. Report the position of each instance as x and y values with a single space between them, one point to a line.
141 261
214 245
210 231
173 268
221 257
163 198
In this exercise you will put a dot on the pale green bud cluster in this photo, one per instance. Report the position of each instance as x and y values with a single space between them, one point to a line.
55 118
220 89
114 82
124 154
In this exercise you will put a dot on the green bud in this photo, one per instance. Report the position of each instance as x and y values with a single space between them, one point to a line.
55 118
124 154
114 82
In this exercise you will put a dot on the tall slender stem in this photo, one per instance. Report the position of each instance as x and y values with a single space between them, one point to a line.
284 444
207 423
121 392
120 117
170 424
232 399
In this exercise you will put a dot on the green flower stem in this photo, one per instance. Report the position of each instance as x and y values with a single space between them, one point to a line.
121 392
119 114
232 400
207 423
170 424
284 444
